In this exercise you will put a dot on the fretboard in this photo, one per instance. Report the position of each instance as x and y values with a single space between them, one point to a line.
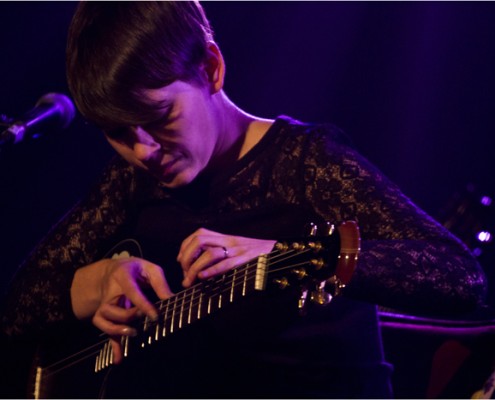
191 305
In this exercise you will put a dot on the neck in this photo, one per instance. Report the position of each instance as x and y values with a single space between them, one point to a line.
238 132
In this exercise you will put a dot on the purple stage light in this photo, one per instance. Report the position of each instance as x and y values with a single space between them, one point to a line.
486 201
484 236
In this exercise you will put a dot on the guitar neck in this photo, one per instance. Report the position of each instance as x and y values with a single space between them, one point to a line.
193 304
317 267
306 263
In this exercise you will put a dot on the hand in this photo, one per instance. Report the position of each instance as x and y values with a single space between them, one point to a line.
110 292
206 253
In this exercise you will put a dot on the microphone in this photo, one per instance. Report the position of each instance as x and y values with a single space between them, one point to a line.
53 111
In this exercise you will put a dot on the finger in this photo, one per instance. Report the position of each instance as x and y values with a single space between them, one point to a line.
112 328
156 279
186 243
219 268
140 270
118 314
132 290
213 256
200 245
214 261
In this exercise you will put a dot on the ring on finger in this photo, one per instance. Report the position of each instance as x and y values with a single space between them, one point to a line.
225 252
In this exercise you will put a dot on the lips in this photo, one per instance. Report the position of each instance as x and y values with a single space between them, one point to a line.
168 167
166 171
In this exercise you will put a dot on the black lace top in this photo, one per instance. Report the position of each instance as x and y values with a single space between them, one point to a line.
296 172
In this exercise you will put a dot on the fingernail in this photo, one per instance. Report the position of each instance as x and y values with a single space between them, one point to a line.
153 317
129 332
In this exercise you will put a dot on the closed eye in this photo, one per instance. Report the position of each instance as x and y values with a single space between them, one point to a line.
165 120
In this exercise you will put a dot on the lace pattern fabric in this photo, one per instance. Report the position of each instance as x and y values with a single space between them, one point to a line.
408 260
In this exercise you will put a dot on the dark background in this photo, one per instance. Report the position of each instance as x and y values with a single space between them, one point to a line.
412 83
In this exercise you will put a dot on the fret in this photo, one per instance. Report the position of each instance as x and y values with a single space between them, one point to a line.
110 359
147 326
173 315
244 282
107 354
97 363
157 331
157 327
126 346
181 312
165 316
101 363
37 382
232 286
200 304
191 303
100 358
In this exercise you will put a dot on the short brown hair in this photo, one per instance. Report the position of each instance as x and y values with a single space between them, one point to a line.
117 49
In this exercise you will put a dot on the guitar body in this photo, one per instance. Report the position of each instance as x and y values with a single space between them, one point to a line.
63 378
236 309
55 372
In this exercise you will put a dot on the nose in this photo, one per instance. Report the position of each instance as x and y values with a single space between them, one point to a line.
145 147
145 151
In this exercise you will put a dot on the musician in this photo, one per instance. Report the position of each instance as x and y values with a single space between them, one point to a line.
203 187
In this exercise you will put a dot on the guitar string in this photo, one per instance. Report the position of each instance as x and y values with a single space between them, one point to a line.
170 312
216 285
285 255
220 287
98 344
275 254
167 322
49 370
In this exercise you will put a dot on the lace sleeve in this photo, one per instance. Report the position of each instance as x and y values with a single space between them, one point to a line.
40 292
408 260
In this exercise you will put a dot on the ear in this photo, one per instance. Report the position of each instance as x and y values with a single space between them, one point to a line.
214 66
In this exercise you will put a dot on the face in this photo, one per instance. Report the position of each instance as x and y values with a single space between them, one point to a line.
181 144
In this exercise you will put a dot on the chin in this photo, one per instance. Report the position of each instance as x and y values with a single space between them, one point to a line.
177 181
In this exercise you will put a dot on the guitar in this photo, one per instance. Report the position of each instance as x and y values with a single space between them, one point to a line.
319 267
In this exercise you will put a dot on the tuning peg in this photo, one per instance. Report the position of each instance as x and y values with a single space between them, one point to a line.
310 229
317 263
282 282
300 273
298 246
315 246
320 296
328 229
334 285
281 246
302 302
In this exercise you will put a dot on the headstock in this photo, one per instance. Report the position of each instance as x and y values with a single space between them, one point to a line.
320 265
